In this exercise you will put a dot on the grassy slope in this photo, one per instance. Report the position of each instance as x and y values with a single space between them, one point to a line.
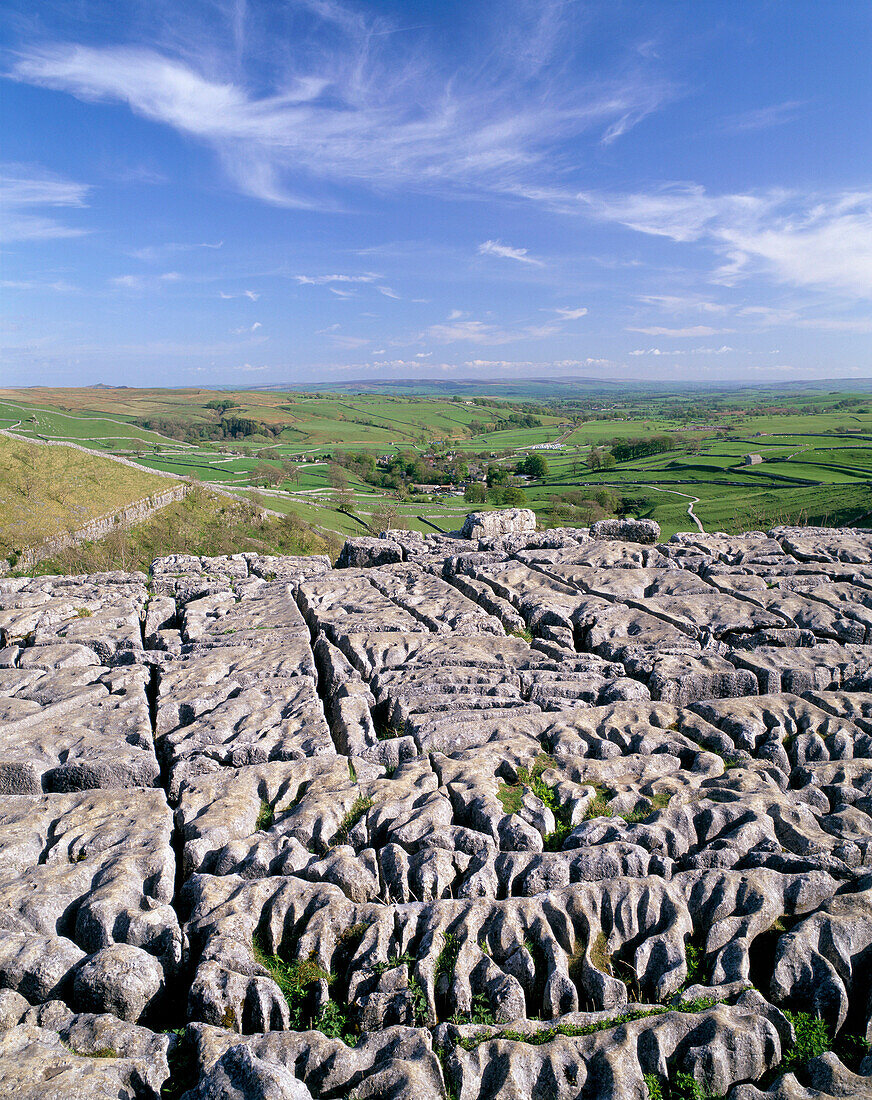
203 523
48 490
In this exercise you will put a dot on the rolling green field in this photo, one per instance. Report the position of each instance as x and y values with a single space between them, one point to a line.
289 451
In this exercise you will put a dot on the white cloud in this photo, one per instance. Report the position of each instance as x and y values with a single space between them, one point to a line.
763 118
60 287
476 332
675 303
252 295
349 342
423 354
345 106
692 330
571 314
803 240
455 330
506 252
23 190
152 253
388 293
325 280
723 350
128 282
837 324
246 328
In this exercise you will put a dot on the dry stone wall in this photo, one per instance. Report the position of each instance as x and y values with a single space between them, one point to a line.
520 815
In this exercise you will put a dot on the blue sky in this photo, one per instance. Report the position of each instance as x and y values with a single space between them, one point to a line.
256 191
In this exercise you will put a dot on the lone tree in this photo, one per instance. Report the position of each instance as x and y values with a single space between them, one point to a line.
475 493
534 465
512 497
383 517
267 473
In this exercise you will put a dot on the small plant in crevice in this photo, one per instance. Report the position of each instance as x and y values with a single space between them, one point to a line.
266 816
851 1050
599 954
446 960
184 1071
385 730
480 1013
679 1085
100 1052
694 954
511 796
652 1084
812 1038
392 963
546 1034
296 981
419 1002
599 804
359 807
524 633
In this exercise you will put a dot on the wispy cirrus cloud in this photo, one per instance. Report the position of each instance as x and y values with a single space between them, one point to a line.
153 253
678 303
25 192
722 350
690 330
459 330
805 240
252 295
506 252
763 118
326 280
344 106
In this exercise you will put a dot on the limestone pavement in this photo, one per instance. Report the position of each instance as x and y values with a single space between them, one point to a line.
505 814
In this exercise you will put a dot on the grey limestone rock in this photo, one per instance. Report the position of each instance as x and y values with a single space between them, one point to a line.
504 521
363 553
632 530
122 980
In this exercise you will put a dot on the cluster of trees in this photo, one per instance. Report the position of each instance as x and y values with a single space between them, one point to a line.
600 458
268 473
624 450
503 423
582 507
228 427
509 496
401 470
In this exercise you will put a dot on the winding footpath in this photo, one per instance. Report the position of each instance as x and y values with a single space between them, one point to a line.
690 511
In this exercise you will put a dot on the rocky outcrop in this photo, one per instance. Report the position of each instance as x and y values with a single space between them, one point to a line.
505 521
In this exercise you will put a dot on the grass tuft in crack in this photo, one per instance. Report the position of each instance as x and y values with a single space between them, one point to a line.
360 806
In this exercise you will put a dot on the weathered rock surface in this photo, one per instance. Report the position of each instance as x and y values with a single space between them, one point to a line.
499 814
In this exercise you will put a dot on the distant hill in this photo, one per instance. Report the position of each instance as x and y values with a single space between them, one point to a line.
559 387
